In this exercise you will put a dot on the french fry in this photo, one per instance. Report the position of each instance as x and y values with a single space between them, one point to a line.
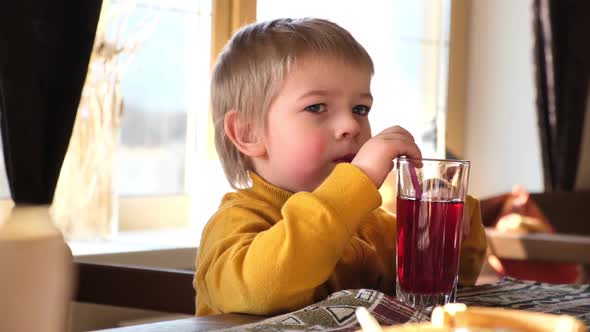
462 316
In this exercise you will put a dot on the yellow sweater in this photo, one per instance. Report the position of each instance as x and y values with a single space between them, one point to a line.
268 251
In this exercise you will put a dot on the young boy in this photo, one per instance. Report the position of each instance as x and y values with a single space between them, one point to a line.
290 102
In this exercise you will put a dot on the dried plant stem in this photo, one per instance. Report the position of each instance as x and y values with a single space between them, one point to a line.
85 203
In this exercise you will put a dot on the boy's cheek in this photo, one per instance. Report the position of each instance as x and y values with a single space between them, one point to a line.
308 160
312 151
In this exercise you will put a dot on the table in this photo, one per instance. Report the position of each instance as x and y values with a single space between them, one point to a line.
193 324
337 311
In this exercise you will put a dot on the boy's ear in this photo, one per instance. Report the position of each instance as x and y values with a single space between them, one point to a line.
243 135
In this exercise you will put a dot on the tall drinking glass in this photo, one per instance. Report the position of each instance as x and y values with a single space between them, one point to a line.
430 205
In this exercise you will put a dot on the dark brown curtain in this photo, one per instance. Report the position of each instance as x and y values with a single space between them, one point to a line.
562 63
45 47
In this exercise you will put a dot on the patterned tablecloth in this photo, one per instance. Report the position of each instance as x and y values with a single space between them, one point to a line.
337 312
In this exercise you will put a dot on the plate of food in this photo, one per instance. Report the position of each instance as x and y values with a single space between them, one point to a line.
458 317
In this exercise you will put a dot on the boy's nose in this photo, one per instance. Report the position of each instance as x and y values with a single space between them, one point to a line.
347 126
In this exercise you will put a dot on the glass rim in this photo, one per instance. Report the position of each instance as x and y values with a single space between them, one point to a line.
459 161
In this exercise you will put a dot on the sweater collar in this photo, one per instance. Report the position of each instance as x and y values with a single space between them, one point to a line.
266 191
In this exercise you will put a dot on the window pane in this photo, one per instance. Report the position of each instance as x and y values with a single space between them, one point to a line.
408 41
161 83
4 187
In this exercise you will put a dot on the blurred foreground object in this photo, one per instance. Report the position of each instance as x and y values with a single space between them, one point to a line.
459 317
36 274
520 215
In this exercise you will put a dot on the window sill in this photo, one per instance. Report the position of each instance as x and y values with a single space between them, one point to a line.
168 249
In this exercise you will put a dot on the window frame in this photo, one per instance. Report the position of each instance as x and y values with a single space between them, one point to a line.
457 79
173 211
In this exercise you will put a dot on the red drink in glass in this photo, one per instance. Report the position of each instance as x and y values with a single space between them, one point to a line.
428 239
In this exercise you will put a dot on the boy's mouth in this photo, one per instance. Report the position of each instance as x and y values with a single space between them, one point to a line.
345 159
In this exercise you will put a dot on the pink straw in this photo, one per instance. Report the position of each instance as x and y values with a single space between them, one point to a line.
415 182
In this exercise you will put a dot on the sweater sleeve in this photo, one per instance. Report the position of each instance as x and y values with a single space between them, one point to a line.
474 245
249 265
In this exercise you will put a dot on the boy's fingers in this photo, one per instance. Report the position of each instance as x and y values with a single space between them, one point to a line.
412 151
400 129
397 131
392 137
418 163
408 148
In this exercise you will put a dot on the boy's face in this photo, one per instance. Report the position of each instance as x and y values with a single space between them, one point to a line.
319 119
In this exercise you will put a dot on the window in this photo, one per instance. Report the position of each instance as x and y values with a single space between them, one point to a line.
166 151
163 93
4 187
409 44
408 41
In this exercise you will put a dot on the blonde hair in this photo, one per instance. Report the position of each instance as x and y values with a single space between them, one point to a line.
252 67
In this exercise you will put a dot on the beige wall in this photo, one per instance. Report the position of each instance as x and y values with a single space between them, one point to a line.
501 137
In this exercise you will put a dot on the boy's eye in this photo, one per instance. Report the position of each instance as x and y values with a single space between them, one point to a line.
316 108
361 110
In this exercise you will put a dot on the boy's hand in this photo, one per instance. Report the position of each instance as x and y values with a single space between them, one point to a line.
375 158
